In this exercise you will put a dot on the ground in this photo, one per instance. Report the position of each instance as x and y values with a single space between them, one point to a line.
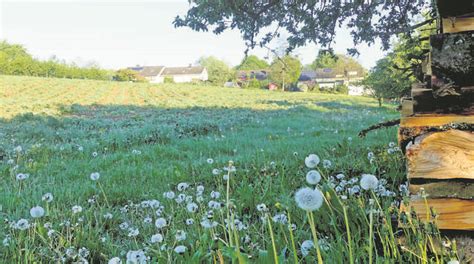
145 139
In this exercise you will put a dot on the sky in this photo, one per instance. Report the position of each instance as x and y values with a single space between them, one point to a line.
121 33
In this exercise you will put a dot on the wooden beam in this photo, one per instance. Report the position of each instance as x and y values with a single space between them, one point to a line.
458 24
441 155
426 120
407 108
452 214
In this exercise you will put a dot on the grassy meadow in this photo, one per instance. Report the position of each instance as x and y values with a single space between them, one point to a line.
181 173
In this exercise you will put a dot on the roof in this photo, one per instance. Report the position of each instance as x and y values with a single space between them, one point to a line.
327 73
183 70
307 75
148 71
257 74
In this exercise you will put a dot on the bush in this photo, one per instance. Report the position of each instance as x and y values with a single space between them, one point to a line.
341 89
127 75
168 79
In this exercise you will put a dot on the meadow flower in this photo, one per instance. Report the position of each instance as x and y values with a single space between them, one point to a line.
169 195
18 149
133 232
182 186
206 223
306 247
262 207
147 220
368 182
47 197
71 252
210 161
215 195
453 261
95 176
80 148
108 216
6 241
309 199
313 177
76 209
37 212
391 144
370 155
22 176
51 233
200 189
181 198
22 224
136 257
327 164
390 151
115 260
311 161
354 190
189 221
123 225
180 235
83 252
160 222
94 154
214 204
199 199
180 249
280 218
340 176
192 207
216 171
47 225
156 238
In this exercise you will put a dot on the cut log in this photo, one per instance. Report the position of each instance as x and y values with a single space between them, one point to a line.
425 101
407 108
445 189
447 8
441 155
452 214
458 24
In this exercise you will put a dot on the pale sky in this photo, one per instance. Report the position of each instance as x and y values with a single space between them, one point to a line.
122 33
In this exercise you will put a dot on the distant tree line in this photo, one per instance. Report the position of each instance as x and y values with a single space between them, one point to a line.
15 60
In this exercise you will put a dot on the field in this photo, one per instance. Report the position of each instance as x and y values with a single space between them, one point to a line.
189 173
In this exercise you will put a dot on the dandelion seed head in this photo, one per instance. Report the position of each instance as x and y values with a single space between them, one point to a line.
309 199
369 182
327 164
47 197
210 161
160 223
22 224
76 209
156 238
313 177
37 212
311 161
95 176
22 176
115 260
180 249
192 207
306 247
136 257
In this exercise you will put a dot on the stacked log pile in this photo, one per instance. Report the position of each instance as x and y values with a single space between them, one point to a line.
436 128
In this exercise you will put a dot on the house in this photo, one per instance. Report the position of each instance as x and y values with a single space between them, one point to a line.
328 78
157 74
260 75
186 74
152 73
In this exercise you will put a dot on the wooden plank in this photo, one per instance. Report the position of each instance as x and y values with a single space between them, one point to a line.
458 24
452 214
445 189
426 120
441 155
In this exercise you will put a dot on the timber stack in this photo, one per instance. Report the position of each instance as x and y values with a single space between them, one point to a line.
436 128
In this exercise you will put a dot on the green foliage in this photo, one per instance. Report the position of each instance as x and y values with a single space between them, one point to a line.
168 79
308 21
15 60
339 62
285 70
128 75
219 72
341 89
254 84
252 62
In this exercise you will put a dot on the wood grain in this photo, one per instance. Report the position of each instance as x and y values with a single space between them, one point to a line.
442 155
458 24
445 189
453 214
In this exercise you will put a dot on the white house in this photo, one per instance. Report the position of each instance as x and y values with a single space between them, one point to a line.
186 74
157 74
152 73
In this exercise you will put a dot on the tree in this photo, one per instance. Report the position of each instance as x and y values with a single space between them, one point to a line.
252 62
385 82
339 62
307 21
128 75
219 72
285 70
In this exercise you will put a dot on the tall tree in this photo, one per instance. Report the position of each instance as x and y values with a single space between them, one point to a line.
285 70
219 72
252 62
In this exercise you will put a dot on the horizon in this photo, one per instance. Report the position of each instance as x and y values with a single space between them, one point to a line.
112 42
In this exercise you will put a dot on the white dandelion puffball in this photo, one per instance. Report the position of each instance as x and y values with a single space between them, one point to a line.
210 161
309 199
180 249
76 209
37 212
327 164
311 161
261 207
95 176
306 247
189 221
22 176
192 207
115 260
216 171
169 195
156 238
22 224
160 222
136 257
47 197
313 177
182 186
453 261
368 182
180 235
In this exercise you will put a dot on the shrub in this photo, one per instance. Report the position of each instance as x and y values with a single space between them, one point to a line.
168 79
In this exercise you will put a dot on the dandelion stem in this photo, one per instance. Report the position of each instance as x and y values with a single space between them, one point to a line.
292 238
270 229
315 236
349 238
103 193
371 233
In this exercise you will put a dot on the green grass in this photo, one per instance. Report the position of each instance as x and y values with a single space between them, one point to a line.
148 138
